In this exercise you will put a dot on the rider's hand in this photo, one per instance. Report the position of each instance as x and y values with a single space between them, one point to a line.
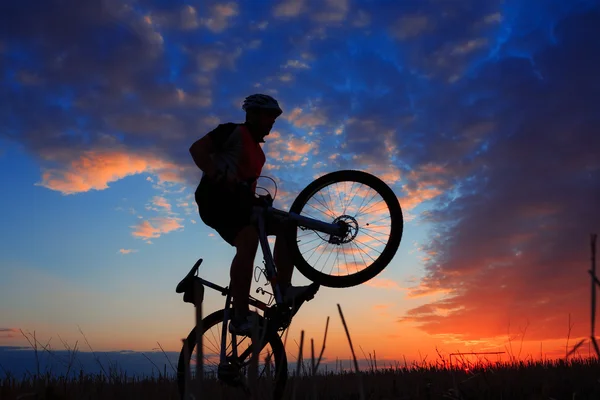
263 200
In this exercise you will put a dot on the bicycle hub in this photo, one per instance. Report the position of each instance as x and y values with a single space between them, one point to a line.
350 228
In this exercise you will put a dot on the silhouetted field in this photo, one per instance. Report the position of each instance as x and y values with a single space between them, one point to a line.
574 379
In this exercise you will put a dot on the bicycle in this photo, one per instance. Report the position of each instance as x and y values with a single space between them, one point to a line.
342 232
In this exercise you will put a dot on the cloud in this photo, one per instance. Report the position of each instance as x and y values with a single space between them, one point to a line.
9 330
297 145
189 18
510 240
383 283
9 333
409 26
425 183
303 119
127 251
493 18
160 201
289 8
295 64
156 227
95 169
334 11
220 16
210 59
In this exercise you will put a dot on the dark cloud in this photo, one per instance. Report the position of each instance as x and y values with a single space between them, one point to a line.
516 244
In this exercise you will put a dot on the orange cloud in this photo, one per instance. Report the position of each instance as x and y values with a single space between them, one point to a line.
487 294
8 332
425 183
424 290
292 149
292 115
419 195
384 283
300 146
147 230
159 201
300 119
127 251
95 169
292 157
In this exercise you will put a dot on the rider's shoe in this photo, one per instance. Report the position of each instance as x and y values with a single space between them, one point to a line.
241 326
293 294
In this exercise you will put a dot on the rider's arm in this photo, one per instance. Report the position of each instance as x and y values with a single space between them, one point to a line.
212 142
201 151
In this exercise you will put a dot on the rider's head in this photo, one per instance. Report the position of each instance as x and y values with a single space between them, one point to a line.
261 112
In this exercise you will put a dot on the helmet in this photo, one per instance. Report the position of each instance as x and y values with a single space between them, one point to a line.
262 101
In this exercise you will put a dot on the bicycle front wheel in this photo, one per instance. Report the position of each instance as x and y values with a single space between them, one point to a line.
272 364
372 213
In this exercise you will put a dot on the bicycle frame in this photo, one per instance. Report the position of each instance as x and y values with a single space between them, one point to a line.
260 216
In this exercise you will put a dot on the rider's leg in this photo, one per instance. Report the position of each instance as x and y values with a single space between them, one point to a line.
246 244
285 269
283 260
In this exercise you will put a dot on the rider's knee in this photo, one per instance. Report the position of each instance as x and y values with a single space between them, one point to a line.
246 240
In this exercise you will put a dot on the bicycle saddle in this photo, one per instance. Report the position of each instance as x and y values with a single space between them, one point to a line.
186 282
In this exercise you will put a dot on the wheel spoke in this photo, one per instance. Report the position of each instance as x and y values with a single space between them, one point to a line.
371 236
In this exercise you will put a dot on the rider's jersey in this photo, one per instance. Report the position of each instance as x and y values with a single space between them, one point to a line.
236 152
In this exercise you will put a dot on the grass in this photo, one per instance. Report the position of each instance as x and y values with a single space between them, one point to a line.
573 377
576 378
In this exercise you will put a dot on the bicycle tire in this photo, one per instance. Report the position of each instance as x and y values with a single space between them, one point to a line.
281 368
396 231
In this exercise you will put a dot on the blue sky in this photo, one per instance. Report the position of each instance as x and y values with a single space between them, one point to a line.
480 115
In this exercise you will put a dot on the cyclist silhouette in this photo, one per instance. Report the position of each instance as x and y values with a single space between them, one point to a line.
229 155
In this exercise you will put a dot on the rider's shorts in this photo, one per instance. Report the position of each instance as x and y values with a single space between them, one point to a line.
226 212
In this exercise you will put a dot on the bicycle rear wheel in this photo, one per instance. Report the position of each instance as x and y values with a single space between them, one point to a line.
274 369
369 208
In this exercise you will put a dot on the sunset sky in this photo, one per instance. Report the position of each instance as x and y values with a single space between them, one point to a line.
482 116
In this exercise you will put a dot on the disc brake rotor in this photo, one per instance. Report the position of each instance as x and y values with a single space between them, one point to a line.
351 230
